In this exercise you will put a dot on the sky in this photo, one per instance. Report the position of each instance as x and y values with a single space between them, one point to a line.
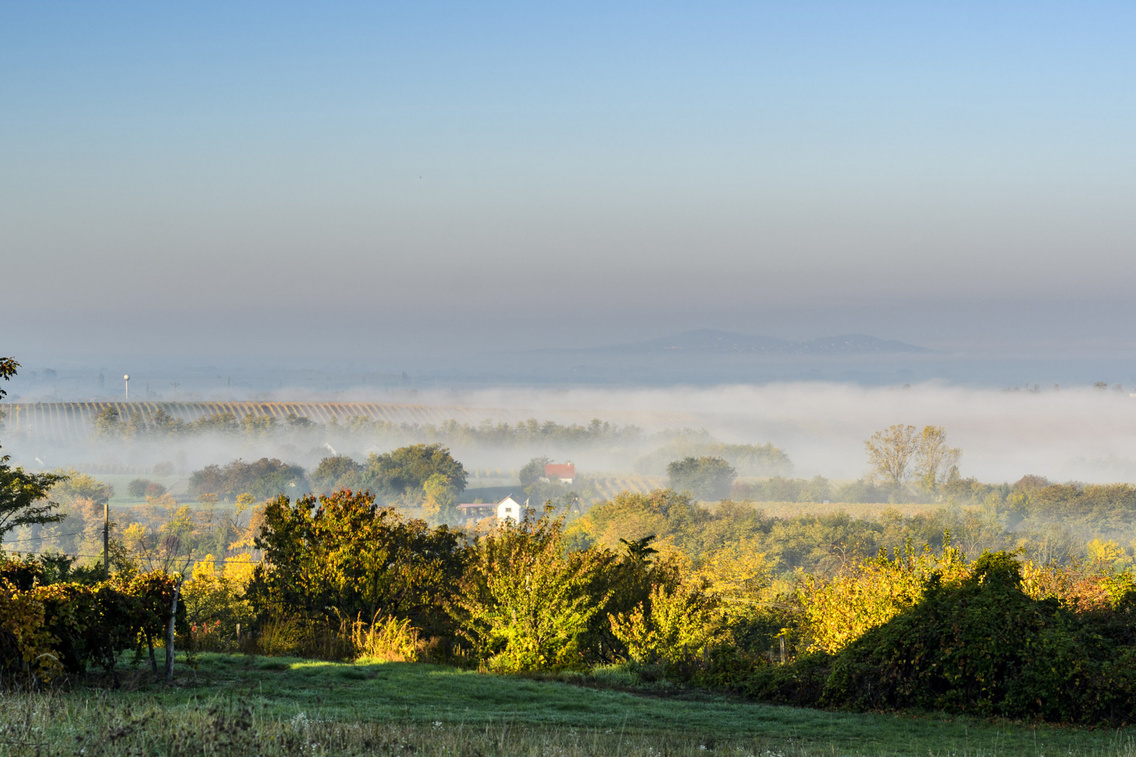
240 180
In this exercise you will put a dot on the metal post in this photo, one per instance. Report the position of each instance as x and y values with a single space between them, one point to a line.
126 380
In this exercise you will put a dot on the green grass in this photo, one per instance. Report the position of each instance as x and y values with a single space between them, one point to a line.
234 704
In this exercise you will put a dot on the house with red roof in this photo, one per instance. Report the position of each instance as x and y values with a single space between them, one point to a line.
565 473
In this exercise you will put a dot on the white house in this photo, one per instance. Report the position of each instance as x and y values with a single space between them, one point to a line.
511 509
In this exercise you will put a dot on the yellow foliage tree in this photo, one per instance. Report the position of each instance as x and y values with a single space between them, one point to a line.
842 609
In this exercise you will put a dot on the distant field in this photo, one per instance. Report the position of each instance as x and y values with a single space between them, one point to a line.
608 486
70 422
854 509
246 705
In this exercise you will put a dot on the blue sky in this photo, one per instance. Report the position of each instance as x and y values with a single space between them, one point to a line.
417 178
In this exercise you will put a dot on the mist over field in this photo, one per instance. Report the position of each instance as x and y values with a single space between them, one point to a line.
1082 434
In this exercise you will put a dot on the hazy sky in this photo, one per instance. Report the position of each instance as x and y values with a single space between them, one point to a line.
322 178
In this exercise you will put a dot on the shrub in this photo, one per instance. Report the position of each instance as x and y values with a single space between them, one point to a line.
525 604
675 627
26 651
986 648
840 610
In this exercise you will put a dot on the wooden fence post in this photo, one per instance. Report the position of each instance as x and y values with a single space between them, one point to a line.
170 633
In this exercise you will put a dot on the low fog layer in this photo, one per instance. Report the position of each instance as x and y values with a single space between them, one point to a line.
1064 434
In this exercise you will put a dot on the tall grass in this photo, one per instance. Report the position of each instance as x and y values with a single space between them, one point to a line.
387 639
46 725
236 705
383 638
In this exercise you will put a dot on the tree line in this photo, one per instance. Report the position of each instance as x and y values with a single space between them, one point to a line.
935 627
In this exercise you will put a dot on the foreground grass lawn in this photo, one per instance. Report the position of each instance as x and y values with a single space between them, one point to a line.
244 705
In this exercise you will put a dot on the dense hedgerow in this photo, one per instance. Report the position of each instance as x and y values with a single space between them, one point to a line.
980 646
48 629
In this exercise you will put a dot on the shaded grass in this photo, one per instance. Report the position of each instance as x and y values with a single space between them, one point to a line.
386 708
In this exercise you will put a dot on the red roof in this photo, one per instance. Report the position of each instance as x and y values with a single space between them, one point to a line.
560 470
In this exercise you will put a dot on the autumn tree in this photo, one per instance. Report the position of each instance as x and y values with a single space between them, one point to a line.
935 462
890 453
440 498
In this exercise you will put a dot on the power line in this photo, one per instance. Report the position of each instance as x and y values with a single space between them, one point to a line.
226 560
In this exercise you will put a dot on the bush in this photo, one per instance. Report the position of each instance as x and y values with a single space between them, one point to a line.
525 604
47 629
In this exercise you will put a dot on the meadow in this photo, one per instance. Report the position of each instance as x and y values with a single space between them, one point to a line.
236 704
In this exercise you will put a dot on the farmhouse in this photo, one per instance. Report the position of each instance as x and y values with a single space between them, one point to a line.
511 509
508 508
565 473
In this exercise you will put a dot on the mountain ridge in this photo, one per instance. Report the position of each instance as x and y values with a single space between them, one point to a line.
717 342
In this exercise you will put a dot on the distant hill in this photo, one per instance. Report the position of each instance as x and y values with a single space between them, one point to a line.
712 342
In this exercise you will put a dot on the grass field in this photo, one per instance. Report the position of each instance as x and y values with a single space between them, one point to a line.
852 509
245 705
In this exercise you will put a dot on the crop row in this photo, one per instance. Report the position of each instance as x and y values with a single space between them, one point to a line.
69 422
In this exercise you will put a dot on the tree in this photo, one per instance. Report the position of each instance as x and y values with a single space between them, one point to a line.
108 422
23 495
440 498
338 472
526 603
935 462
890 452
342 556
403 473
704 477
533 471
23 498
263 479
8 368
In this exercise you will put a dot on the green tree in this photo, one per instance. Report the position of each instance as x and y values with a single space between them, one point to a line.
220 423
704 477
258 425
533 471
343 556
23 495
263 478
108 422
338 472
403 473
440 498
525 603
23 498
